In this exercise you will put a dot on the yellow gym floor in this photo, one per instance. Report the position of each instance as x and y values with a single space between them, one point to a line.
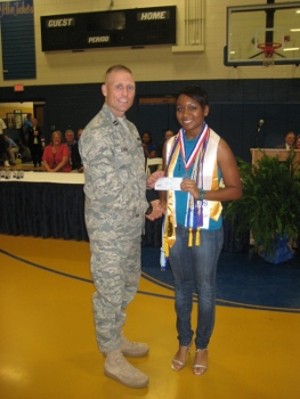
48 348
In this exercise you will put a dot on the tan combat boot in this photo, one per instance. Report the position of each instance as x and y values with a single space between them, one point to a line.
133 349
119 369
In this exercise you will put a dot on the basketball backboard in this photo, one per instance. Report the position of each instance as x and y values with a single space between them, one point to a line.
263 35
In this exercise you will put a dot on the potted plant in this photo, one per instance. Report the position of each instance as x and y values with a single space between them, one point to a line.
270 206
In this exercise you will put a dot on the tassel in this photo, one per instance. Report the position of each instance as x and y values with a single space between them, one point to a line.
166 247
163 260
198 238
167 251
190 241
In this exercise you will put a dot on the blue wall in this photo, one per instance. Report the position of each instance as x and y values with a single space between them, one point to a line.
236 108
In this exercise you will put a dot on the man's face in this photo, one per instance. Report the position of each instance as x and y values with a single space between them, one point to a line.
168 134
290 138
69 136
119 91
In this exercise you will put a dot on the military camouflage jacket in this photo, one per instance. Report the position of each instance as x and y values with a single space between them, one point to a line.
114 167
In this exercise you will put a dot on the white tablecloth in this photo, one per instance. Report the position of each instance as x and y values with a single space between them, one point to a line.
45 177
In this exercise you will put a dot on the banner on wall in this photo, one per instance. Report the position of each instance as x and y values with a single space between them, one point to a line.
17 36
16 7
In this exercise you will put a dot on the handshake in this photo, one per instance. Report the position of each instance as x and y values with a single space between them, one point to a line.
157 208
155 211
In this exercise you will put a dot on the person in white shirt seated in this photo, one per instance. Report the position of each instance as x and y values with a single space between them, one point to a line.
289 140
12 149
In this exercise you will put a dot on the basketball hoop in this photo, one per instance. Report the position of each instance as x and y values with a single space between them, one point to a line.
268 50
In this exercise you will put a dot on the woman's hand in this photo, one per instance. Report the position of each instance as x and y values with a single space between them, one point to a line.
189 185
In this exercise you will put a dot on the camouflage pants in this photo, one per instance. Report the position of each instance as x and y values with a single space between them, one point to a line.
116 269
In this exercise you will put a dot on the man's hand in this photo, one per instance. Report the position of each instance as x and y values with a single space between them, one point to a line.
151 180
157 211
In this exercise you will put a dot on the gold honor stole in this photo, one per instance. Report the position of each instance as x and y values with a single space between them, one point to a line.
205 173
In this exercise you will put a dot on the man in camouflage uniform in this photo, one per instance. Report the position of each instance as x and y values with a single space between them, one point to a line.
115 206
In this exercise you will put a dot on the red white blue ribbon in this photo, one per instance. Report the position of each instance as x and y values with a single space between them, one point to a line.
188 162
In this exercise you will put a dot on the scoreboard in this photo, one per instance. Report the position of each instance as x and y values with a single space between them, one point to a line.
118 28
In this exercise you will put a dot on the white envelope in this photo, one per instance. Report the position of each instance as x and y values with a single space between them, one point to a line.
168 183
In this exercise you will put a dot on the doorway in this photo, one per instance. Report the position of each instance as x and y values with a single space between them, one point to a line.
14 114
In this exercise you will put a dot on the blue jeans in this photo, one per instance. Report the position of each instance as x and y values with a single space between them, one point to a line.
194 268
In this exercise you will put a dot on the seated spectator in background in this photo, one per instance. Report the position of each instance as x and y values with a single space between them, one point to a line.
297 142
70 138
150 149
35 143
56 156
289 140
167 134
3 150
12 149
75 155
2 126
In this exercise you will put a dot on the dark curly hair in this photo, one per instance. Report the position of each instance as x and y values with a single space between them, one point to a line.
196 93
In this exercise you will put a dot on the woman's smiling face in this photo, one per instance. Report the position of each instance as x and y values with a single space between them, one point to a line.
190 115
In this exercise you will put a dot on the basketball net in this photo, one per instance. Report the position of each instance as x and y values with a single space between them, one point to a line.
268 50
268 61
